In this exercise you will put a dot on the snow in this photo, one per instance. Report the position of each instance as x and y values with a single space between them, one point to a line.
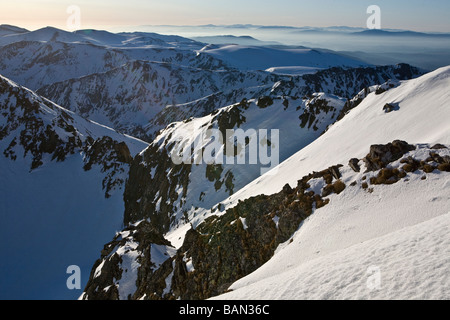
176 235
396 236
402 230
424 110
168 280
129 266
244 223
97 37
52 218
160 253
411 263
263 58
293 70
189 264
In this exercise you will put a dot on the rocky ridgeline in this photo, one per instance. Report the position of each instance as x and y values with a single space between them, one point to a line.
226 247
345 82
149 88
161 93
157 189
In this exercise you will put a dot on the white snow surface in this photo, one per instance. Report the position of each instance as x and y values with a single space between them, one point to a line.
423 117
56 215
392 243
261 58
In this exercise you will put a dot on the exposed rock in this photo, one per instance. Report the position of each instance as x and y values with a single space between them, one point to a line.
225 248
388 107
438 146
264 102
287 189
380 155
107 270
334 170
353 163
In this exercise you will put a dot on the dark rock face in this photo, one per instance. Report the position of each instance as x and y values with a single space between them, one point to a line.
389 107
221 249
344 82
380 155
438 146
353 163
110 155
142 188
264 102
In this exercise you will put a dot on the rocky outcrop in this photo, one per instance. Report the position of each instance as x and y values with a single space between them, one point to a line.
224 248
40 131
380 155
105 282
315 107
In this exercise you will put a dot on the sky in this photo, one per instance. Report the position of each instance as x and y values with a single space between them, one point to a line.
416 15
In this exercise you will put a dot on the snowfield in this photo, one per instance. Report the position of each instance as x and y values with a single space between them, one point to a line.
411 263
262 58
422 117
68 184
401 231
391 243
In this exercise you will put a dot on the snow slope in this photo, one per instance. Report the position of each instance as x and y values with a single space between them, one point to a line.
397 234
11 34
53 208
390 243
423 115
293 70
52 218
262 58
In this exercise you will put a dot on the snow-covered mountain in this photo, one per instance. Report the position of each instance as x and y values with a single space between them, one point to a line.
6 29
259 161
128 97
85 71
61 188
40 63
35 63
261 58
156 94
352 188
13 34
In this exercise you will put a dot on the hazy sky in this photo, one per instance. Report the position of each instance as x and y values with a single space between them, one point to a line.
418 15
